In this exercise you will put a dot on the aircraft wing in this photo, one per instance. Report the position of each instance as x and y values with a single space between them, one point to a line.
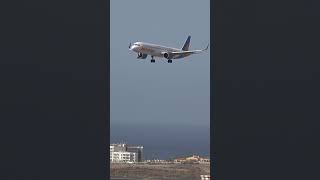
190 52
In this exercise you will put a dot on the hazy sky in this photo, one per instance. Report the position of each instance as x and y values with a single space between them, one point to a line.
160 105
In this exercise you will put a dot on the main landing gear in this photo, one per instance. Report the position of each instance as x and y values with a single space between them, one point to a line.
152 60
169 61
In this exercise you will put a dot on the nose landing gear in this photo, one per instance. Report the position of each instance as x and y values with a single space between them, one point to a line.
169 61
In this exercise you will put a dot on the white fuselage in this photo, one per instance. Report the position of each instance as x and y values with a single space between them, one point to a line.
154 49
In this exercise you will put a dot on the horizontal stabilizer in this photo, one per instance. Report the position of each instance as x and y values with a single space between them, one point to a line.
190 52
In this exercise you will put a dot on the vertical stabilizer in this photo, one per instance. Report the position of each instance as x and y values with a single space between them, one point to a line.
186 44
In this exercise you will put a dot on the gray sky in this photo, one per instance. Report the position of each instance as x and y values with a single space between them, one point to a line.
170 100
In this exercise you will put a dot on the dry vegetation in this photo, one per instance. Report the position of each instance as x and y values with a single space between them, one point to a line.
161 171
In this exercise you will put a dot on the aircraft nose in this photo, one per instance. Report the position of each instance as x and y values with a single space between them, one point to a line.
133 47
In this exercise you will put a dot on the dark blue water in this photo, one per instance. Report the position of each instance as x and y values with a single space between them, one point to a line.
164 141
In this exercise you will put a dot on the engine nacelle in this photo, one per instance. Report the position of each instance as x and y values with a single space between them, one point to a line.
142 56
167 55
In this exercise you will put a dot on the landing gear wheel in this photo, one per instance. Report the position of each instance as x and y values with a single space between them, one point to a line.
169 61
152 60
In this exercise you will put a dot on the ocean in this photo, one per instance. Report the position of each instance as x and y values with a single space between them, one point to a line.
164 142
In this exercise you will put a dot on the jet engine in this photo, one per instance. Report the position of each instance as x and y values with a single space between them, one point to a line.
142 56
167 55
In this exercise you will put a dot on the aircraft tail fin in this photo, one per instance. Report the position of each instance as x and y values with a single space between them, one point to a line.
186 44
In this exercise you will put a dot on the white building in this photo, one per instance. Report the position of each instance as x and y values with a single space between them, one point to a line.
119 154
111 148
126 157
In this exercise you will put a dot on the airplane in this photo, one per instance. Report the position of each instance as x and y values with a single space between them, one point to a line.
144 49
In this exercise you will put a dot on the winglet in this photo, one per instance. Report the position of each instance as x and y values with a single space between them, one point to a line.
206 48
